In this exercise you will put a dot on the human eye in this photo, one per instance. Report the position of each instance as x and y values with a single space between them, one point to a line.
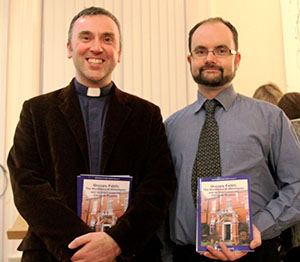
108 39
85 37
200 51
222 51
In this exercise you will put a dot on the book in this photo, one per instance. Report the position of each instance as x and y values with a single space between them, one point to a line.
224 213
101 200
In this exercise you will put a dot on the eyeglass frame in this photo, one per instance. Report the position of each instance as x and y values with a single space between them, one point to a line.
231 52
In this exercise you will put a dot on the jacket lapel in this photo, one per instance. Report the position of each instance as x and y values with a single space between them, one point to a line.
70 109
117 114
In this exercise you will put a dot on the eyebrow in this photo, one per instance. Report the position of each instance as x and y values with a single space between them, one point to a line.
200 46
85 32
109 34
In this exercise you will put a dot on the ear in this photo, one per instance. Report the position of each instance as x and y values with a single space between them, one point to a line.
120 54
189 59
237 60
69 50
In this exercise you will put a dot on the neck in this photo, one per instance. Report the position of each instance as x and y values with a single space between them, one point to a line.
93 84
211 92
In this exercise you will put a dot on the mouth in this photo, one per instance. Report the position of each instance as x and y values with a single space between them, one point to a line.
210 69
95 60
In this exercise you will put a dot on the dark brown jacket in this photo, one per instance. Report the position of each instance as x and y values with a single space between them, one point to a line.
50 149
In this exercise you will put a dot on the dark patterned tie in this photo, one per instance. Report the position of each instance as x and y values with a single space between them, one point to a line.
207 161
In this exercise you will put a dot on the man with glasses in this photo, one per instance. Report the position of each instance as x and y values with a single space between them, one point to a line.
254 138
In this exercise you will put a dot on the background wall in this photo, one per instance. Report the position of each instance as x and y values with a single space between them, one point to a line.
291 38
3 53
154 66
261 41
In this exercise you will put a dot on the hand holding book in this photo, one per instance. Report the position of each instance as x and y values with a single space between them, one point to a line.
224 214
95 246
227 255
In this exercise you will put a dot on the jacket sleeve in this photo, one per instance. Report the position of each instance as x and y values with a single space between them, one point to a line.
50 218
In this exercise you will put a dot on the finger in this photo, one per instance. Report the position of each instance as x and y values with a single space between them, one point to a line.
78 241
224 254
256 242
79 255
214 254
230 255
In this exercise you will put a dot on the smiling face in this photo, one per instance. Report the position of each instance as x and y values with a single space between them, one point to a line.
95 49
213 74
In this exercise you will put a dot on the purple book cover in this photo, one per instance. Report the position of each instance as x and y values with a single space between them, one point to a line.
101 200
224 213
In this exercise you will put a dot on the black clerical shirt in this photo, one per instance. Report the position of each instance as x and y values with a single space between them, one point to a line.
94 104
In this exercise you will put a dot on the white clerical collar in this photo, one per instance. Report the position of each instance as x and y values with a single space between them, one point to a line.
93 91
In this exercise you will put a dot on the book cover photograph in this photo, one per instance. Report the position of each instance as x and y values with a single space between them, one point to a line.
224 213
101 200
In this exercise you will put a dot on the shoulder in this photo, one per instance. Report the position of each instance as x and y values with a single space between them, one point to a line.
43 104
256 106
50 97
134 102
181 115
259 113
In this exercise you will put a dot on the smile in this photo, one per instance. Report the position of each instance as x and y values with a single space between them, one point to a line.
95 61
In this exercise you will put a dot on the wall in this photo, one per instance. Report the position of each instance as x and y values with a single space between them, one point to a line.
291 39
21 82
3 48
261 41
154 63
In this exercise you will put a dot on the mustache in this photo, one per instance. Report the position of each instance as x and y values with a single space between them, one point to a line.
211 67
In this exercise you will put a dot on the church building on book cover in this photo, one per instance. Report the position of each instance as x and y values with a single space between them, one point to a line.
225 218
102 212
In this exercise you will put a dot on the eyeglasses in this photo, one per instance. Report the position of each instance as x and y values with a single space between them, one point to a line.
221 51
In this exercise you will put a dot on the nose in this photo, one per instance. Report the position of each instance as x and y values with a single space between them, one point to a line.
96 46
210 56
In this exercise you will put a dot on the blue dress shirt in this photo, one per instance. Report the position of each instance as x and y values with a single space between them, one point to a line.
94 109
257 139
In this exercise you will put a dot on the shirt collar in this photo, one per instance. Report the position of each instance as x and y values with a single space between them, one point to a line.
225 98
92 92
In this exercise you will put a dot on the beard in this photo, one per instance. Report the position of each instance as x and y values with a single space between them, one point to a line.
217 81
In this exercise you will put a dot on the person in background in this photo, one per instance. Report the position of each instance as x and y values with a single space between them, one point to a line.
90 127
290 104
255 138
269 92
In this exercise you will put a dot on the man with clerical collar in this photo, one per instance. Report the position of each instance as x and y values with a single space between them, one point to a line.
90 127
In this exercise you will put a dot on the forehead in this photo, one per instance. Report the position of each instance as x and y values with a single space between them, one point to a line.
96 24
211 35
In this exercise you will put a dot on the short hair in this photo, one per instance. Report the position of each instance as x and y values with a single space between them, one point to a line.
290 104
268 92
215 20
90 12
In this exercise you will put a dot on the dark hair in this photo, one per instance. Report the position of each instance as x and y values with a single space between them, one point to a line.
290 104
215 20
90 12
